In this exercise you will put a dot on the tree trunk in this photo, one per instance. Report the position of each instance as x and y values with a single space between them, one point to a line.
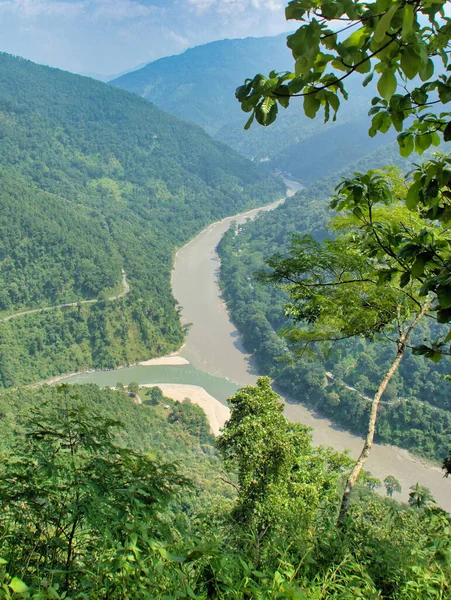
402 342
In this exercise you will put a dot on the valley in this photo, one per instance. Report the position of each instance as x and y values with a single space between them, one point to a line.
225 348
219 363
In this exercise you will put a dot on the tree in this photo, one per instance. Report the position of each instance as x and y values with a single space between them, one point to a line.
447 465
133 388
282 479
154 395
398 41
65 484
393 39
354 285
392 485
420 496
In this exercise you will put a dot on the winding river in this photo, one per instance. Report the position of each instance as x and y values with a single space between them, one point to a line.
213 345
219 362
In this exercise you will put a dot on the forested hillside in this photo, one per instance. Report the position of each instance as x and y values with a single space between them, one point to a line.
146 507
199 85
416 410
95 180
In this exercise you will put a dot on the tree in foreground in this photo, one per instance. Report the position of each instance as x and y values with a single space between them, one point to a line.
406 254
68 493
406 47
354 285
282 478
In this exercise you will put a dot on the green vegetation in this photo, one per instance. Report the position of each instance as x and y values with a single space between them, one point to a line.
180 434
396 263
93 181
94 509
398 43
415 412
354 285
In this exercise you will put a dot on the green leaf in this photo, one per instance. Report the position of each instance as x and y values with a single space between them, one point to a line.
386 85
407 21
18 586
417 269
250 103
296 85
249 122
368 79
422 142
284 101
410 62
294 11
311 106
447 132
266 112
384 23
356 39
436 141
444 315
405 141
242 92
434 356
421 350
427 71
444 297
444 92
413 196
404 280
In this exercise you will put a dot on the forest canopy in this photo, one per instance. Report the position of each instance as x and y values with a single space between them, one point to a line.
96 180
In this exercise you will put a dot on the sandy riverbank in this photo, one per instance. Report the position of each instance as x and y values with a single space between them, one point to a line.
164 361
217 413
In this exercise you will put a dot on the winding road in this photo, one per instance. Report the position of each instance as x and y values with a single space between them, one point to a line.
125 291
213 345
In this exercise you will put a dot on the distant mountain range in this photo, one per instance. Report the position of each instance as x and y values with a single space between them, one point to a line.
199 86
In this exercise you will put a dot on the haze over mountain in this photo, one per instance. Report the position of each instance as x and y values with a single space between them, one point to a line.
95 180
199 85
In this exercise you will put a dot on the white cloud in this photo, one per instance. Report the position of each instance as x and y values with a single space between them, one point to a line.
119 10
27 9
236 6
112 36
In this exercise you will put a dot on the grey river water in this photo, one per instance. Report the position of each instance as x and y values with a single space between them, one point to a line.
219 362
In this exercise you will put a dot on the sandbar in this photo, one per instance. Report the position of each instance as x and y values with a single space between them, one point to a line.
217 413
170 361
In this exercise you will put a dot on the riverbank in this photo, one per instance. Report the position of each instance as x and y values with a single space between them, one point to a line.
171 360
217 413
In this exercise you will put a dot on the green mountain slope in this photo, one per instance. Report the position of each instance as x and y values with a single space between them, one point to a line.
199 86
95 180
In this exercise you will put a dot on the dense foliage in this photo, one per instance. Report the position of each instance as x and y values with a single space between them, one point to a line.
95 509
415 412
198 85
94 180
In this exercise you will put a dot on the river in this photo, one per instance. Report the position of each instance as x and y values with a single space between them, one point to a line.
213 345
219 362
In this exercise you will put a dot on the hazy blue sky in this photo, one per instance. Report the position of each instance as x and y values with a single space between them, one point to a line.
110 36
